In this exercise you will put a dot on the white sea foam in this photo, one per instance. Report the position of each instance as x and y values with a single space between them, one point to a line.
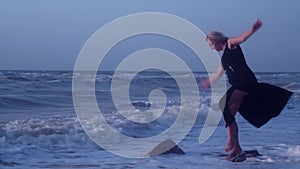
293 150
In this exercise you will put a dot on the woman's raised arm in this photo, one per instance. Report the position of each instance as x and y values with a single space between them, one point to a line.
244 36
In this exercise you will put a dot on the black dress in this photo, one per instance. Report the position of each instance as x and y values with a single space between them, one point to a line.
263 101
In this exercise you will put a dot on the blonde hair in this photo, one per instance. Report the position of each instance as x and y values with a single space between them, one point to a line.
216 37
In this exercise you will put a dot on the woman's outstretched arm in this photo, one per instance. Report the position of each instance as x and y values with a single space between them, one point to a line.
215 76
244 36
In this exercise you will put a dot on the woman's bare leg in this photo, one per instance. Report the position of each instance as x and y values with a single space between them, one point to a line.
233 144
233 138
231 132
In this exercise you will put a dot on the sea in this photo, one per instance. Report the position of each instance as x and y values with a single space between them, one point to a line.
40 127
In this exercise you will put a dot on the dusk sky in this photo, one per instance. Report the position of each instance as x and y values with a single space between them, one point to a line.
49 34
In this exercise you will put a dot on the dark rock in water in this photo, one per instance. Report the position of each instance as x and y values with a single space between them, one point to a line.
166 147
239 157
175 150
244 155
141 103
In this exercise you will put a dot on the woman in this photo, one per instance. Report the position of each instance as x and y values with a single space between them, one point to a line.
257 102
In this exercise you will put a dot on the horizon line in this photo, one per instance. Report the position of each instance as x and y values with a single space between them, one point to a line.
196 71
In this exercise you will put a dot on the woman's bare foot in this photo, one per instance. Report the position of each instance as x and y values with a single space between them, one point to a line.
235 151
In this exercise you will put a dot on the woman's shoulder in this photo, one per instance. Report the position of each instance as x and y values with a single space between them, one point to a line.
232 46
234 51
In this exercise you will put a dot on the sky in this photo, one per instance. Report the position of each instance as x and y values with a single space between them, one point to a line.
49 34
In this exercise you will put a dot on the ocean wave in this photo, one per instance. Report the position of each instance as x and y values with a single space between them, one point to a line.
53 134
279 153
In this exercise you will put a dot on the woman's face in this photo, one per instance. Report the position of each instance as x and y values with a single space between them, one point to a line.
215 46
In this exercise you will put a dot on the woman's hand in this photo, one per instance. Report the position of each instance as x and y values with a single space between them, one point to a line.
256 25
205 83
